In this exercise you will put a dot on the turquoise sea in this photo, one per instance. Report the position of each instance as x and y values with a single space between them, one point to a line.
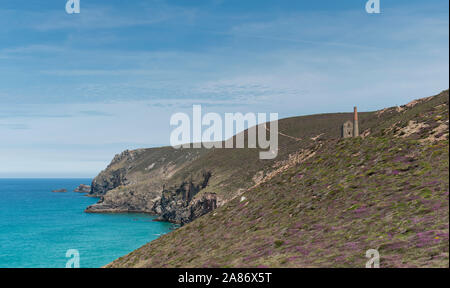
37 227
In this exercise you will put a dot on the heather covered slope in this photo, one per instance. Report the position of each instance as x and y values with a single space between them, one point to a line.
331 201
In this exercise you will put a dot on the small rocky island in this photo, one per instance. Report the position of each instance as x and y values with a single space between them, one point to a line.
83 189
59 191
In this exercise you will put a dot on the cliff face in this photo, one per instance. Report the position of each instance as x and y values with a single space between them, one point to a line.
179 204
134 181
326 204
157 189
115 174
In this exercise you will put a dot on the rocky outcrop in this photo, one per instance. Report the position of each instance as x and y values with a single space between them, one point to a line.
104 183
180 213
83 189
199 207
127 199
183 203
179 204
59 191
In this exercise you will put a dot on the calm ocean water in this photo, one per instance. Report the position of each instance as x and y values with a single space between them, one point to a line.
37 226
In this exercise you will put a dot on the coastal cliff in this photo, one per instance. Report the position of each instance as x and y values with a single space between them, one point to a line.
326 204
180 185
134 180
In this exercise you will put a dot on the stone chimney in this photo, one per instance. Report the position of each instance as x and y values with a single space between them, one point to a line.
355 122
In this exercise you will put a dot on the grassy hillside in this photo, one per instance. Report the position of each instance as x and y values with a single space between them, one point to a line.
325 201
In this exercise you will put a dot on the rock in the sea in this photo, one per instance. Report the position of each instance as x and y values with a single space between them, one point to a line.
59 191
83 189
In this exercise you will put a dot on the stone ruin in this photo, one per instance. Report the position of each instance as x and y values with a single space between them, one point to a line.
347 129
350 129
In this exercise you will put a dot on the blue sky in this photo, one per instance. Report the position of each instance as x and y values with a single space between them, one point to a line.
77 89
